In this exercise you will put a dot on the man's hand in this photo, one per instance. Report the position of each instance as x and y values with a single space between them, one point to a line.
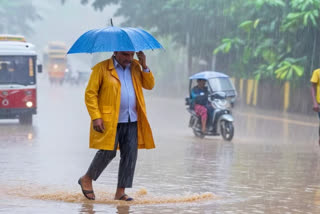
98 125
142 59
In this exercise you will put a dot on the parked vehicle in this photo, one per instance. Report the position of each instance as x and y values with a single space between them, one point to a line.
18 86
221 93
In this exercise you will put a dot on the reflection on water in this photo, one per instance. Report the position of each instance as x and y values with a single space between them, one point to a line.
11 132
275 127
123 209
87 209
271 166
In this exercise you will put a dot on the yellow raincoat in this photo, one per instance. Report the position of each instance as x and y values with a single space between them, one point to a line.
102 99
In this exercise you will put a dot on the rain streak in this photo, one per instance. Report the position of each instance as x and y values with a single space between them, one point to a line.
181 106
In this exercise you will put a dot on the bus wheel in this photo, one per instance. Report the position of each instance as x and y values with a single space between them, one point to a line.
25 119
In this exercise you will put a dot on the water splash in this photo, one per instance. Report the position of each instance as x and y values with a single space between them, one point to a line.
103 197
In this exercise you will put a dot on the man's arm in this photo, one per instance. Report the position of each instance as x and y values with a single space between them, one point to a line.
193 93
147 76
314 98
147 80
91 99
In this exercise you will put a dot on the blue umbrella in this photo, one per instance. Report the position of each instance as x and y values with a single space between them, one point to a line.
112 38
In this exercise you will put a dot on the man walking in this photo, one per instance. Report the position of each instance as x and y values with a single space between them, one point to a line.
116 105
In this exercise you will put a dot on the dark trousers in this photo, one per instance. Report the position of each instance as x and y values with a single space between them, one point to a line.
127 138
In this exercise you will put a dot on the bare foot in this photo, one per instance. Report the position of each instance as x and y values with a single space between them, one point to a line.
118 195
86 185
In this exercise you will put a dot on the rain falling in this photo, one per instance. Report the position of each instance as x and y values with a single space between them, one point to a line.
180 106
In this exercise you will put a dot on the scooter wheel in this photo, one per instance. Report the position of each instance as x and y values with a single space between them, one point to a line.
227 130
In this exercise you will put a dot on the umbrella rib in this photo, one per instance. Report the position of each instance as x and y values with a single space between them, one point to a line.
126 33
140 33
95 37
146 41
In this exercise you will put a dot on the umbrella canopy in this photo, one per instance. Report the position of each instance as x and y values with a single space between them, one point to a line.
207 75
112 38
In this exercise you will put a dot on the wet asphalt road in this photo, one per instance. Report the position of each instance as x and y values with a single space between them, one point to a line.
271 166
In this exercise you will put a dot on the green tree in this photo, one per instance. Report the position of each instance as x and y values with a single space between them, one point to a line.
302 27
195 24
274 39
278 39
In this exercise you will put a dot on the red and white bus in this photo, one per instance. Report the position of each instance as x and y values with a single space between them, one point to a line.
18 85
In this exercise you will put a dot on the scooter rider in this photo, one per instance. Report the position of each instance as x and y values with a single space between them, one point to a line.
199 96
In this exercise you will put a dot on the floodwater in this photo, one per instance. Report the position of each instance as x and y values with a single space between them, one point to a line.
271 166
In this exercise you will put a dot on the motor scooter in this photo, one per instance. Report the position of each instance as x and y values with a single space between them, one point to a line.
221 120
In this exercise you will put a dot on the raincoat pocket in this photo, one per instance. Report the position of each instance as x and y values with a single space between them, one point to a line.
107 113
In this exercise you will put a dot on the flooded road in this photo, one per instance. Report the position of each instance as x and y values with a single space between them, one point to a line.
271 166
